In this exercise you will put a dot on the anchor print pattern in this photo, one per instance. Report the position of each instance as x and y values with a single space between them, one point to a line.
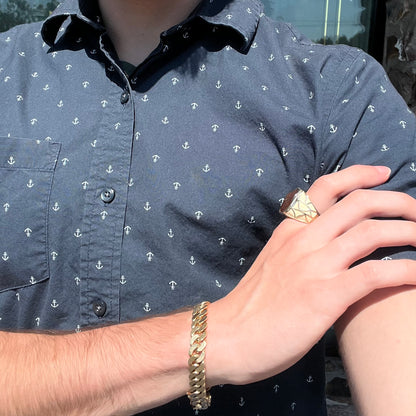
197 166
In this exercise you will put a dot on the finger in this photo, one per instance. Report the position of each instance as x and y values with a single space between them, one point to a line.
328 189
363 239
358 206
361 280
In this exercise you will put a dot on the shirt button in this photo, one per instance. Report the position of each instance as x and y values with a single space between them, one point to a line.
99 307
125 97
108 195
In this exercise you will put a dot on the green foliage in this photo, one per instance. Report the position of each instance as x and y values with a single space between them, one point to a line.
20 11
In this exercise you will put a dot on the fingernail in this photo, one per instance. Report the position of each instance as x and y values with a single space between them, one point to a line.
384 170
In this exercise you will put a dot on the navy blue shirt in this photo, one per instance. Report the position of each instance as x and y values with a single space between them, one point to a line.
123 197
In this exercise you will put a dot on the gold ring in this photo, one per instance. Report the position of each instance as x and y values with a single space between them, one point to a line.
299 207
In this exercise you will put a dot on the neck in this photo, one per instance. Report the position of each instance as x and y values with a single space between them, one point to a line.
134 26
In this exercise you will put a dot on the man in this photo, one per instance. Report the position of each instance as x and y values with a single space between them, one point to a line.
142 173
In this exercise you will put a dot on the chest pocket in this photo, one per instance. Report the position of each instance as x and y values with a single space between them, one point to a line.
26 173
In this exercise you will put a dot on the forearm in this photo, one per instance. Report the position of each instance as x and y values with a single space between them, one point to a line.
116 370
378 340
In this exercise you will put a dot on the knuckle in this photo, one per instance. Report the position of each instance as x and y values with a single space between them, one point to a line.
371 272
326 183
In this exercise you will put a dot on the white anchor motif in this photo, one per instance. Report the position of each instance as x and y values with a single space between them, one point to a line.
242 402
131 182
345 101
34 75
356 81
290 76
293 405
254 45
60 104
262 127
245 68
147 206
332 129
150 256
54 54
382 89
117 125
28 232
309 379
68 67
284 152
259 172
172 284
384 148
252 220
99 265
175 81
165 120
222 241
77 280
48 139
30 184
75 121
218 284
94 143
22 54
18 296
127 229
241 261
413 167
84 185
85 84
311 95
109 169
54 255
54 304
6 207
37 320
65 161
198 214
147 308
103 215
218 85
355 134
176 185
19 97
32 280
11 161
46 87
307 178
276 388
77 233
238 105
236 148
285 107
170 233
287 57
7 78
206 168
271 58
311 128
371 108
78 329
104 103
155 158
123 280
403 123
229 193
5 256
194 106
186 146
264 87
192 260
305 60
145 98
387 258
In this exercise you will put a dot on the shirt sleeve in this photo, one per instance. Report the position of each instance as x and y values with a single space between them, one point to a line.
369 123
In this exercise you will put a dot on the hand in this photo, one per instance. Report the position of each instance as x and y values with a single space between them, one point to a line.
302 281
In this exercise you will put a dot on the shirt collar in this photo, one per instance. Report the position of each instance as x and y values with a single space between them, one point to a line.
241 16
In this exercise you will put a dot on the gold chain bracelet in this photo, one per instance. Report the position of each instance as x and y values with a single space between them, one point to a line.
198 392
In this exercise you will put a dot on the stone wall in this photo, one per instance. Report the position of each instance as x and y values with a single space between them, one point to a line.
400 48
